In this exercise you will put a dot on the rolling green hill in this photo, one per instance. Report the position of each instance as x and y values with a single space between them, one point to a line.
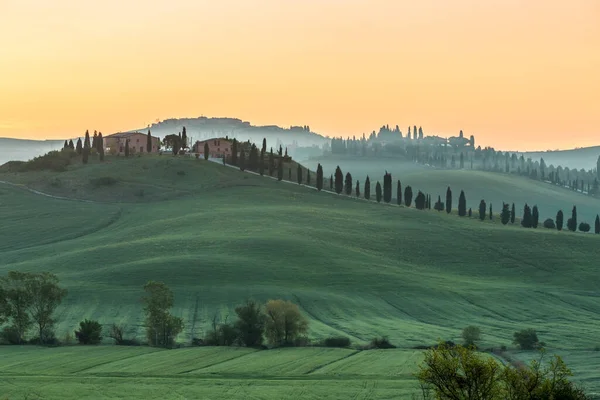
356 268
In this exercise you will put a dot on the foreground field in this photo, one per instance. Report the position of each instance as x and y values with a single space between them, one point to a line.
356 268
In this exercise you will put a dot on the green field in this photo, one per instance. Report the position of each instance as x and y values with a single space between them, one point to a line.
492 187
356 268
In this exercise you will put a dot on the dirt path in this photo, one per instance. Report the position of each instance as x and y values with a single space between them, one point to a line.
21 186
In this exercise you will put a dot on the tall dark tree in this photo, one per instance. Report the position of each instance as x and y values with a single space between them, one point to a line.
448 200
491 213
319 177
126 147
331 182
399 193
462 204
387 187
357 189
184 139
261 163
280 169
378 193
71 145
271 162
339 180
597 225
264 145
408 194
572 222
420 201
280 152
234 152
86 148
439 206
505 214
559 220
149 142
512 214
527 220
206 150
307 176
348 184
482 209
253 158
535 217
79 148
100 140
242 160
367 188
66 145
299 174
470 212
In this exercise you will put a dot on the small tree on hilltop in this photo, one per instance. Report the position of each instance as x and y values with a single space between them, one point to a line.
271 162
348 184
357 189
299 174
559 220
420 201
512 214
491 213
367 188
526 339
597 225
79 148
387 187
331 182
319 177
572 222
462 204
280 169
584 227
206 150
399 193
162 328
505 214
471 335
526 221
535 217
90 332
448 200
482 209
284 322
339 180
408 195
250 324
149 142
378 194
86 148
100 140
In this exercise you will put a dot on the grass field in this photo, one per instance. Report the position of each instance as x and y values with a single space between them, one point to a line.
493 187
356 268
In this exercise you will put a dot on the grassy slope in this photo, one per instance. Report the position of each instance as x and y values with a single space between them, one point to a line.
356 268
493 187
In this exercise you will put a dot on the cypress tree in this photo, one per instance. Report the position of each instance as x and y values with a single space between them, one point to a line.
357 189
399 193
572 223
271 162
512 214
86 142
505 214
242 160
597 227
307 176
408 196
491 213
348 184
66 145
339 180
331 182
319 177
261 163
482 209
280 169
126 147
526 222
79 148
264 145
253 159
470 213
100 140
378 192
71 145
184 138
299 174
387 187
86 148
462 204
420 201
559 220
206 151
448 200
535 217
234 152
149 143
367 188
94 144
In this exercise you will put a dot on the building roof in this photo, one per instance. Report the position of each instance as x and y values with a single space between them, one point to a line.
126 134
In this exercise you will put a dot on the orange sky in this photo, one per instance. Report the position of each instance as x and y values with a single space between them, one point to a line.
518 74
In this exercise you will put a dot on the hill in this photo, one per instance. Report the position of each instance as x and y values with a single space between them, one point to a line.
23 150
584 157
356 268
493 187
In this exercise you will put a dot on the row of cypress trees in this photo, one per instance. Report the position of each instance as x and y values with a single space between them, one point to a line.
84 149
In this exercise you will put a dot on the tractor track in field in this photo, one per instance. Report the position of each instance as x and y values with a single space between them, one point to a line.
213 364
108 362
332 362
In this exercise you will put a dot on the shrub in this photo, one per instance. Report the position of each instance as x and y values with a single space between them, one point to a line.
56 161
584 227
381 343
470 335
90 332
337 341
223 335
526 339
10 335
549 223
49 338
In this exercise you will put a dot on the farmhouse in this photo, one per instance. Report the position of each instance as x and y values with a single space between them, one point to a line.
217 147
115 143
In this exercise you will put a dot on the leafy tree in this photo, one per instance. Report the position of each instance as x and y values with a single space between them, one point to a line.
161 327
348 184
16 303
505 214
90 332
280 169
250 323
339 180
572 222
149 143
271 162
284 322
79 148
299 174
549 223
462 204
482 209
45 296
206 150
527 220
319 177
526 339
399 193
512 214
408 194
100 146
420 201
597 225
367 188
448 200
471 335
584 227
387 187
357 189
535 217
127 148
378 194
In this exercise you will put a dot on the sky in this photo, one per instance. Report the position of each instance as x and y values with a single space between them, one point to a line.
517 74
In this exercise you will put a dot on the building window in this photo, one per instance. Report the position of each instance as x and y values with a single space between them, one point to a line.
137 140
